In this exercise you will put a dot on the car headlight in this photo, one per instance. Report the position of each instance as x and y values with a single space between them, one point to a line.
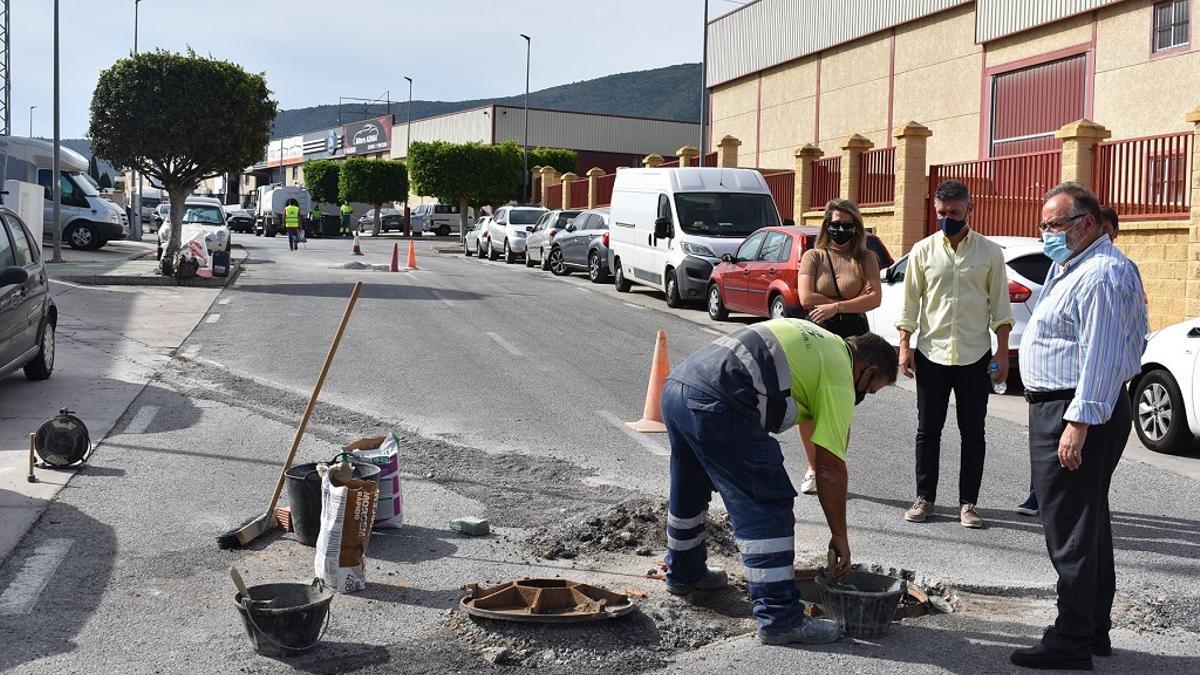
114 217
222 234
697 249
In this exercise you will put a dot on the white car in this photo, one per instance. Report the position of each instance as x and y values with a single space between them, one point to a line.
1027 270
202 216
1166 396
476 236
506 231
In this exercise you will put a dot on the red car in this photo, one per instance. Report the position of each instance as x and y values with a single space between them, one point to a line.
761 278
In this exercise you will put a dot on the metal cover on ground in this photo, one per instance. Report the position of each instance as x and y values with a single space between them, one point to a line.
545 601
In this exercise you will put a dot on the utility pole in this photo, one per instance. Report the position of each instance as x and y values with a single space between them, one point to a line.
56 165
31 109
135 212
525 197
407 140
6 67
703 88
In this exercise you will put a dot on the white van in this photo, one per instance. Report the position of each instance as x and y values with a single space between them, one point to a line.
669 227
88 220
441 219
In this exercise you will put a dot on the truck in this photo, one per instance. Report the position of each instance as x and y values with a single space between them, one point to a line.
88 221
268 214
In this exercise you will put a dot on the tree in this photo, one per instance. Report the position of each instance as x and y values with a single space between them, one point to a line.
466 174
373 181
179 119
321 179
93 168
562 160
105 181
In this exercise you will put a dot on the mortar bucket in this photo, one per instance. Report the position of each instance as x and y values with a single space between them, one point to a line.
292 623
304 495
866 612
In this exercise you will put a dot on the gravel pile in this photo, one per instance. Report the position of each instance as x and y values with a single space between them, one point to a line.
1156 614
636 525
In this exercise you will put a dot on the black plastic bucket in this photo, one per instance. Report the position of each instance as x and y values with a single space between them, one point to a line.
304 495
867 611
292 623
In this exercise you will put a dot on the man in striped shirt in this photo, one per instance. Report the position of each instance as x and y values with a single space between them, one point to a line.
1082 344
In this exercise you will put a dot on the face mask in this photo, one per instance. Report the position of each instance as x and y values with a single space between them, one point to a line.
860 394
950 226
841 236
1055 246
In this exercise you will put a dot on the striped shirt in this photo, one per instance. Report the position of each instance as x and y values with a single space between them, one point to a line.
1088 332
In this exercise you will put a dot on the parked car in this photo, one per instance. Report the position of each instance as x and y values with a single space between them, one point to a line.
476 236
583 246
506 231
238 219
202 216
542 234
163 211
27 312
441 219
1166 395
390 219
671 226
1027 270
761 277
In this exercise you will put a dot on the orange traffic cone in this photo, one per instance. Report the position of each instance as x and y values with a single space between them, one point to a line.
651 422
412 256
356 250
395 257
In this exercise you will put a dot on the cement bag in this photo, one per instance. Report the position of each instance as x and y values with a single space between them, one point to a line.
384 452
347 513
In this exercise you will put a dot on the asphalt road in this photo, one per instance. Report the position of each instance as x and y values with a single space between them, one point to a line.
510 387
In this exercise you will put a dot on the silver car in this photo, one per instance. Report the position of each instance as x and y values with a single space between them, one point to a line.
542 234
506 231
476 237
582 246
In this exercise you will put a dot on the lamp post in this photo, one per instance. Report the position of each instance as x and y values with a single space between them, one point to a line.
407 140
703 87
135 213
31 109
525 145
56 164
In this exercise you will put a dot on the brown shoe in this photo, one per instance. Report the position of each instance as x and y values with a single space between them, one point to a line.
969 517
920 510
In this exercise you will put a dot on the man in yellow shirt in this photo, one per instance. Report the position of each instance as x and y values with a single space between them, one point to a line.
955 295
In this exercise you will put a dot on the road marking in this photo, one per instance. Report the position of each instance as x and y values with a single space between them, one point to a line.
213 318
191 351
141 421
22 593
712 330
441 298
581 288
505 343
223 301
641 439
630 304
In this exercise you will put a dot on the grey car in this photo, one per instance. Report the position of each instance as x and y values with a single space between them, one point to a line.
582 246
542 234
27 313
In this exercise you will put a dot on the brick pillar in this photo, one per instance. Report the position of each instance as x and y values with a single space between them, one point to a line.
912 184
1192 289
535 192
727 152
549 179
651 161
1079 141
805 157
593 176
687 155
567 179
852 151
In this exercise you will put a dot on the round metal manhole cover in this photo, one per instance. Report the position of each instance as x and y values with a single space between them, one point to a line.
545 601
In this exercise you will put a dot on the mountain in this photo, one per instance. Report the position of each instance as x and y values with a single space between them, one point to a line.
671 93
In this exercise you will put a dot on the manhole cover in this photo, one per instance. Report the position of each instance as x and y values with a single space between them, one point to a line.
545 601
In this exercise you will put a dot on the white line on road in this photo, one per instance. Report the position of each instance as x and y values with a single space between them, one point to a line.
641 439
22 593
581 288
223 301
141 421
630 304
441 298
505 343
213 318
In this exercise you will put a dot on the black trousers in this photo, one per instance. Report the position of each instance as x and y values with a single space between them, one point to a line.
971 385
1076 521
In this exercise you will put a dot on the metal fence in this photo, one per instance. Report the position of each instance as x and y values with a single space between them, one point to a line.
553 197
877 177
1006 192
783 189
579 194
604 189
1149 176
827 181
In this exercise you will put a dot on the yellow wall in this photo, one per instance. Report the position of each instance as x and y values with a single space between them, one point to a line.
1160 251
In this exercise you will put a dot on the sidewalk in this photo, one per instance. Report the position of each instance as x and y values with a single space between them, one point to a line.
129 263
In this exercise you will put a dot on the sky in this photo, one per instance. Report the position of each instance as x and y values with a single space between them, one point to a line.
313 51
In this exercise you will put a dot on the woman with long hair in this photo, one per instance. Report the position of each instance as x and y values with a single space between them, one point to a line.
839 283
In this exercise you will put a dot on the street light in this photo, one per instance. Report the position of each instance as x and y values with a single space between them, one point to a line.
407 140
56 164
31 109
703 85
135 220
525 149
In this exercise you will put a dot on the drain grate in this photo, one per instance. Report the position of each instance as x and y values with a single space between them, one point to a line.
545 601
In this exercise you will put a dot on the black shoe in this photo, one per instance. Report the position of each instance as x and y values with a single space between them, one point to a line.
1029 507
1102 647
1043 658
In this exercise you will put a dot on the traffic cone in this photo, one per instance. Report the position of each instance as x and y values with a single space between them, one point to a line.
396 257
356 250
412 256
651 422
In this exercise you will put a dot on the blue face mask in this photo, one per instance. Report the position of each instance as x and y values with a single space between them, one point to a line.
951 227
1054 244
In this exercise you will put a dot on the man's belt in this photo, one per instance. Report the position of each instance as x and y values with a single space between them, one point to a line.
1046 396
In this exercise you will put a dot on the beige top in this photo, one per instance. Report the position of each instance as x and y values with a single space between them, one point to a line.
849 280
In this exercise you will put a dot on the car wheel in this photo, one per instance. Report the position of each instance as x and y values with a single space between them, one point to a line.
777 309
674 300
83 237
43 364
557 268
1159 416
509 256
596 271
623 285
491 250
443 231
467 250
545 260
716 306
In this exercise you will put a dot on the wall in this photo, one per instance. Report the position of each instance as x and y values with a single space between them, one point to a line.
460 127
601 133
1160 250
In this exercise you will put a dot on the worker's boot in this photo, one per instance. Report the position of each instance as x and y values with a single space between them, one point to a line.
713 580
809 632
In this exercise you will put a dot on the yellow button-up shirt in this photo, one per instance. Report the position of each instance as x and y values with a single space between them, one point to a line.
955 298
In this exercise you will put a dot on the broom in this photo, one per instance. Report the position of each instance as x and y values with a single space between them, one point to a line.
257 525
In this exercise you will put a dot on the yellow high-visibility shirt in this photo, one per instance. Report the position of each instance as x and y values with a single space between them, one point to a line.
291 217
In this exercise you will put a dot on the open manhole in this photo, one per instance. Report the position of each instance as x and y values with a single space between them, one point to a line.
545 601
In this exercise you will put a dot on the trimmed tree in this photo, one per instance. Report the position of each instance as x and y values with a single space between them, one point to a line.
321 179
374 182
105 181
466 174
562 160
179 119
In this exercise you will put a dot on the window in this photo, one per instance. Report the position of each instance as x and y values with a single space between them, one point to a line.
772 246
1170 24
881 253
749 248
69 193
725 214
524 216
24 252
583 222
7 258
664 208
1034 267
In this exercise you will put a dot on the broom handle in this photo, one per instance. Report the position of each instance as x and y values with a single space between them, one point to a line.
312 400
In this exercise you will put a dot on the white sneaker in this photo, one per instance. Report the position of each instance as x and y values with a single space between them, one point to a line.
809 486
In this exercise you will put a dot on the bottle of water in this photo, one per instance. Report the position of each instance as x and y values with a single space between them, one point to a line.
998 387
